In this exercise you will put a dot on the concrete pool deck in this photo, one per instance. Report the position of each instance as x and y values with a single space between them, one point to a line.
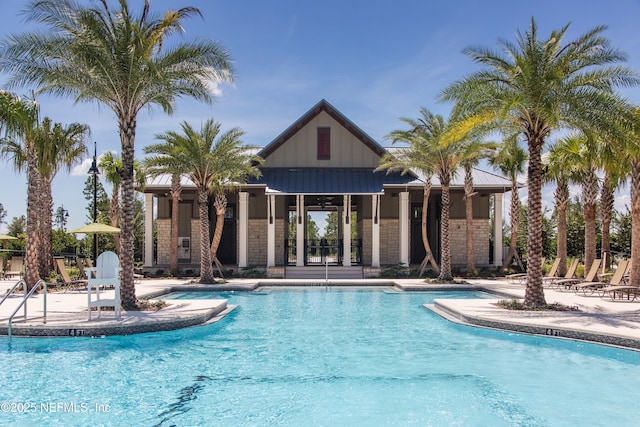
599 320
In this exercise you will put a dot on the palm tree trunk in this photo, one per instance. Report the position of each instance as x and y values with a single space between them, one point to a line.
425 240
534 292
468 204
634 278
114 209
175 206
589 199
445 244
606 213
220 203
46 226
206 272
32 258
562 199
515 226
127 138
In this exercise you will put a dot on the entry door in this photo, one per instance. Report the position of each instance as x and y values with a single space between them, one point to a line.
227 249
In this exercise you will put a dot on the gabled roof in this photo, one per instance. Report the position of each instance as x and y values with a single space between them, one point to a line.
321 106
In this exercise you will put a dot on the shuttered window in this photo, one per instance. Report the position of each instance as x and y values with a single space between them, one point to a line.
324 143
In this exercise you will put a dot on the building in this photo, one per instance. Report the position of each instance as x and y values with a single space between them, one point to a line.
323 166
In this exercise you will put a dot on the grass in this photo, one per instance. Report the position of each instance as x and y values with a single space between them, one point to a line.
514 304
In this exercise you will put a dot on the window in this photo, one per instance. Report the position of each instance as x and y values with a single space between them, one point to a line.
324 143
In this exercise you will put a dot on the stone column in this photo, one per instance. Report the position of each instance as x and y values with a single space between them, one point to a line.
497 229
346 231
403 220
271 230
301 219
148 230
243 229
375 230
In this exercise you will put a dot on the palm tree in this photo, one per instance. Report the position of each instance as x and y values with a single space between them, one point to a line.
440 149
633 151
121 60
555 172
19 119
541 85
510 159
415 156
57 147
579 155
235 164
616 166
207 158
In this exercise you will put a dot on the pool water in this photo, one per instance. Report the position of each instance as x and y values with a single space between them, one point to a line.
318 358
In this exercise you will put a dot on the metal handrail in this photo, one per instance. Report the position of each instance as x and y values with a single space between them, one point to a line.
24 302
20 282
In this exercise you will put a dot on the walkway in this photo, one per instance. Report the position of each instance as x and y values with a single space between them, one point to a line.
599 320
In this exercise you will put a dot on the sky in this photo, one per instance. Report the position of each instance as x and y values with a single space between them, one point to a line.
375 61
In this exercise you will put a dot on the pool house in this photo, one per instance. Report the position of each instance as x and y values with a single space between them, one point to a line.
320 170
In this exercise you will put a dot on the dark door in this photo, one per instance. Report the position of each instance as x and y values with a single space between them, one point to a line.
227 249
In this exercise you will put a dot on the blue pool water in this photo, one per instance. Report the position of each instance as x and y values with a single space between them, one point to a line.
311 357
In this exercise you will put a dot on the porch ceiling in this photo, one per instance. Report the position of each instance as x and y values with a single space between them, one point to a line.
327 180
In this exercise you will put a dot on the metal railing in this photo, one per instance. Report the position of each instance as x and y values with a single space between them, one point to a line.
25 299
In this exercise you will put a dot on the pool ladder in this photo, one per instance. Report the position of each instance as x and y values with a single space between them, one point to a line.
23 303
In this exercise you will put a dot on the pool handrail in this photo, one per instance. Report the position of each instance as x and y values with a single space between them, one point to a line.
24 302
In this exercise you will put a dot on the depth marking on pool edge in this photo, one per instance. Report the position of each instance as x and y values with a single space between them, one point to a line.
76 332
552 332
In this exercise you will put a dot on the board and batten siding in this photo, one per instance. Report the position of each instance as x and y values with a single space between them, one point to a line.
302 151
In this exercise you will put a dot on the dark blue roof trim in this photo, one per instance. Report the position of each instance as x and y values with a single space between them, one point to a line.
328 180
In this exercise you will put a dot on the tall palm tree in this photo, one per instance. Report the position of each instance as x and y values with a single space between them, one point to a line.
235 165
57 147
580 156
510 159
121 60
616 166
19 119
540 85
633 151
416 156
207 158
440 150
555 171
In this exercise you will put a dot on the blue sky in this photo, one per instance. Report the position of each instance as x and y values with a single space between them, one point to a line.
375 61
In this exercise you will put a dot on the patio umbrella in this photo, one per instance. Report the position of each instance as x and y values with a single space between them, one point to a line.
95 228
7 237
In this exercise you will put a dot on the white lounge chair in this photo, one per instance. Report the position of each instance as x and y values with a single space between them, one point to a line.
106 273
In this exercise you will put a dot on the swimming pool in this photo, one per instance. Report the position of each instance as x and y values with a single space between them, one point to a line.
312 357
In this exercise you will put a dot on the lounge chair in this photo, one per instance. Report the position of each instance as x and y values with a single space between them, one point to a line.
618 292
571 272
16 267
66 278
105 273
521 277
616 280
591 276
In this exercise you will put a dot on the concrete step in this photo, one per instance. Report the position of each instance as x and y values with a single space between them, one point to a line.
319 272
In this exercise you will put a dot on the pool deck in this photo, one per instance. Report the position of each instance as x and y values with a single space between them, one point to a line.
598 320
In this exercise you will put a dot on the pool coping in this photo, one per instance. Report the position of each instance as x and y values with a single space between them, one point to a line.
441 308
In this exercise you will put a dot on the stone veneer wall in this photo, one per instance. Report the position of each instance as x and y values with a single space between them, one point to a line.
458 235
389 241
195 241
366 241
164 241
257 246
280 228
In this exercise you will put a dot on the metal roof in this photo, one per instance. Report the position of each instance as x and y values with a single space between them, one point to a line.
327 180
